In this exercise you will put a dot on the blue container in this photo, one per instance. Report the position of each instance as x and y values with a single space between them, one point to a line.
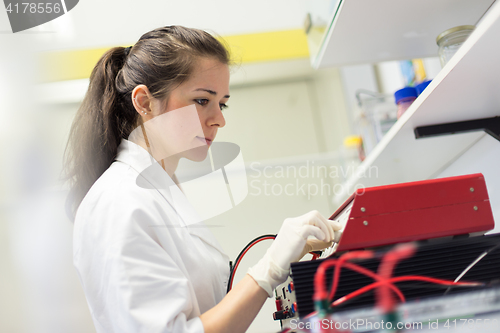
420 87
404 97
407 93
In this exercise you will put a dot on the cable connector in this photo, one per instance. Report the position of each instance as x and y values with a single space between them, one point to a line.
322 307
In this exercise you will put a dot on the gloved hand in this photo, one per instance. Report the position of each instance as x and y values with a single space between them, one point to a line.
289 246
315 245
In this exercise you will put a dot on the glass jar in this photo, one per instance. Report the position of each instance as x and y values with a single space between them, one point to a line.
450 41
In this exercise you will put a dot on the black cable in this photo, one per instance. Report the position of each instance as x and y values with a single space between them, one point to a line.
231 273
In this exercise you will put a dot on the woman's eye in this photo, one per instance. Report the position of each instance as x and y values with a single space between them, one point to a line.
201 101
204 101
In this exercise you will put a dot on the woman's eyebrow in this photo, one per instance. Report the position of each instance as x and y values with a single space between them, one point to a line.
211 92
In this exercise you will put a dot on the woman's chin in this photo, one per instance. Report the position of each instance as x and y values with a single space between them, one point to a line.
197 154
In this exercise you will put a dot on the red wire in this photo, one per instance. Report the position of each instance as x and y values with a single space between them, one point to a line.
314 255
319 278
360 270
401 279
385 301
236 264
338 268
376 277
395 279
311 314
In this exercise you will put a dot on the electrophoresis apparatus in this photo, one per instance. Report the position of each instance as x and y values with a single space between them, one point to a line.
412 242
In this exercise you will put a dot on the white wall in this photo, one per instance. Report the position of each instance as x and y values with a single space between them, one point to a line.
40 288
483 157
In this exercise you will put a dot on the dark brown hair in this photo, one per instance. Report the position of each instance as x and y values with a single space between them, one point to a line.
162 59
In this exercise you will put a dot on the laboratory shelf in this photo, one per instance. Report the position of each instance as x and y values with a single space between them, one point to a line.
467 88
371 31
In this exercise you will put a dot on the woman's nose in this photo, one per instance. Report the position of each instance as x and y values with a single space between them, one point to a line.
217 118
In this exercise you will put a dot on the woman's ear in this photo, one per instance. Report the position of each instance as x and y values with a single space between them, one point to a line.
143 102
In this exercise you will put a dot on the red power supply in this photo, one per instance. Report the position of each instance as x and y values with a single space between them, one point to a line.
383 215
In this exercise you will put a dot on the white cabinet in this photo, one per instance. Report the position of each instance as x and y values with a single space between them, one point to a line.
371 31
467 88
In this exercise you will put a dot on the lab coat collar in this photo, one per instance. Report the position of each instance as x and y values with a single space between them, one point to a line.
152 175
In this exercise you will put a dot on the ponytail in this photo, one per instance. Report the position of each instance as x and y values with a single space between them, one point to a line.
99 125
162 59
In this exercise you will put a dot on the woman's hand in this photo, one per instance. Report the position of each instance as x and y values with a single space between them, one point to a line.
240 306
315 245
289 246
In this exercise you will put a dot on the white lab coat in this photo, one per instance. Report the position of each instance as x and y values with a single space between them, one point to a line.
143 269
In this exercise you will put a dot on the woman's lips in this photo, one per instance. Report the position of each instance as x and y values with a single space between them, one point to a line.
206 141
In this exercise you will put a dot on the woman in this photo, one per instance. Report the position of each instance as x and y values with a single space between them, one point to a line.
144 264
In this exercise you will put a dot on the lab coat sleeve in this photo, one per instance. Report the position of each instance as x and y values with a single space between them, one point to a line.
131 282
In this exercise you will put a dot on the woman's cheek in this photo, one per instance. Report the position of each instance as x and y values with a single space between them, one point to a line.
174 132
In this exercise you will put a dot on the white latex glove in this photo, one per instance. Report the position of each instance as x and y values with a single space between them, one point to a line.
288 247
315 245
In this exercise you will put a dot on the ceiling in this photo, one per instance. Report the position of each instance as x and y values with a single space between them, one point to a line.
97 23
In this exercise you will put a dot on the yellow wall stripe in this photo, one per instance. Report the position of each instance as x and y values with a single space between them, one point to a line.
69 65
258 47
268 46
